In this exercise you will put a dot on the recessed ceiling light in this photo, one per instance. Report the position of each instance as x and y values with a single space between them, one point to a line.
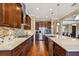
37 8
58 4
58 23
50 9
46 16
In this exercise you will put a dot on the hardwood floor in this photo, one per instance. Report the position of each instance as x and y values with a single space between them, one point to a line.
38 49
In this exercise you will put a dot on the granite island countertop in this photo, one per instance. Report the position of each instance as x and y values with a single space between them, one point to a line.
68 43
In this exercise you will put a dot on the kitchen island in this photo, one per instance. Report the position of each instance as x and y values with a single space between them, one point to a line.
63 46
19 46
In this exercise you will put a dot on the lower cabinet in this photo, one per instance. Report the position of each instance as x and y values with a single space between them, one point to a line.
46 43
50 48
49 45
58 51
55 49
16 52
20 50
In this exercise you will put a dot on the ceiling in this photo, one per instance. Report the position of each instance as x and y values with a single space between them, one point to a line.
72 19
42 10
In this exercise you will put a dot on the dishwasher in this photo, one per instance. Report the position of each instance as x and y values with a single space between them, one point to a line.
40 35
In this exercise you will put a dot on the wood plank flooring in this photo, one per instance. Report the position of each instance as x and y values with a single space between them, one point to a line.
38 49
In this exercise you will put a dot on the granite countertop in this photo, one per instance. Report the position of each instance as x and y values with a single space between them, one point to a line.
68 43
11 44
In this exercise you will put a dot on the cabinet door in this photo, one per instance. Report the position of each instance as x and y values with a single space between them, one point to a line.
15 18
6 14
12 15
18 15
49 24
1 13
46 43
17 51
59 51
50 48
28 22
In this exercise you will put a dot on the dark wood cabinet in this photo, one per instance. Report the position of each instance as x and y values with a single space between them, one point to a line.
23 49
49 45
51 48
46 43
46 24
55 49
11 14
58 51
20 50
17 51
28 22
1 14
6 14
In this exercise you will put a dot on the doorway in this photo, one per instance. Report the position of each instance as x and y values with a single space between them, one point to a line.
73 31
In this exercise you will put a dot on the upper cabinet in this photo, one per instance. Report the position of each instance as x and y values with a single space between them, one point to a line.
46 24
11 14
28 22
1 13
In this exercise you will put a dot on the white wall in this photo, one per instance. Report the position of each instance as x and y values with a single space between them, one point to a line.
51 26
70 29
33 23
77 30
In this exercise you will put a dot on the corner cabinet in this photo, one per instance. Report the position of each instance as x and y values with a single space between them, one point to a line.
20 50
